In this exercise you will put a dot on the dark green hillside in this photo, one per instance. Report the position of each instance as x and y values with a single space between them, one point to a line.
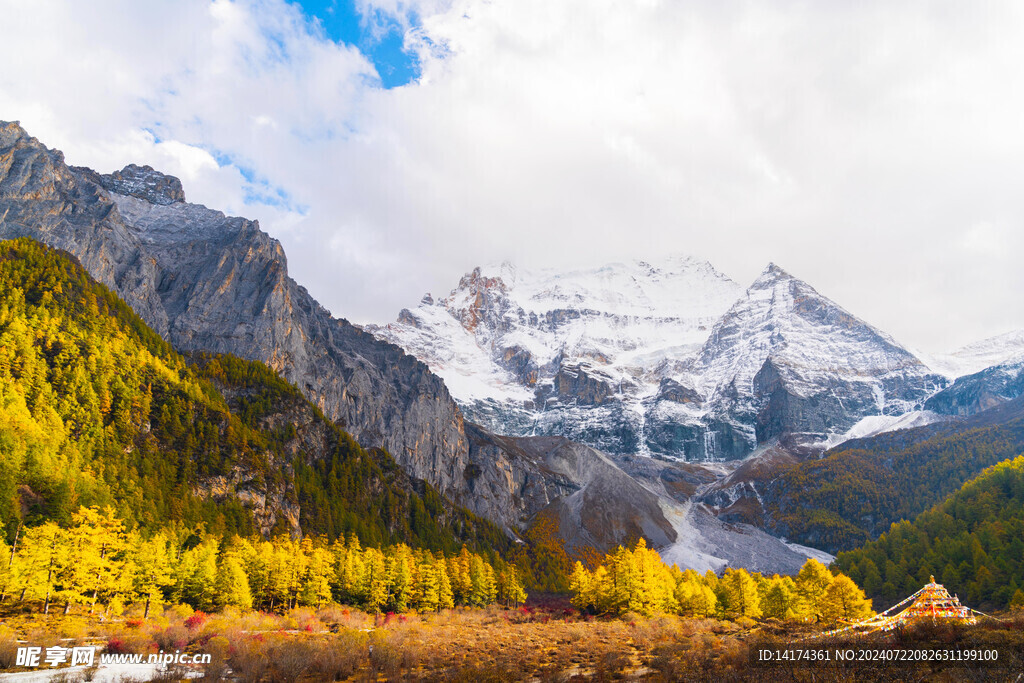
973 543
858 490
340 486
96 409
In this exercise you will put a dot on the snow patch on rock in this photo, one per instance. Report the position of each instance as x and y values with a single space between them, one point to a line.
878 424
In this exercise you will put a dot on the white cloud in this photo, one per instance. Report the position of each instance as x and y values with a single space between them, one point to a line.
850 142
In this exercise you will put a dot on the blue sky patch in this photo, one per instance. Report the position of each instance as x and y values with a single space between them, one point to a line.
380 37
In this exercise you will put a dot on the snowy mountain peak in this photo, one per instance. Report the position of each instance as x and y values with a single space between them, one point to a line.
663 357
785 358
998 350
574 352
770 276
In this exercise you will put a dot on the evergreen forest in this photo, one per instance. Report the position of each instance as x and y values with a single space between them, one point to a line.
856 492
973 543
96 410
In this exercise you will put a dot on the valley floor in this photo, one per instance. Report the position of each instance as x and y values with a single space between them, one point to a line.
548 642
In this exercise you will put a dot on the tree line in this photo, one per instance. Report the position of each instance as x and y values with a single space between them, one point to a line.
96 564
639 581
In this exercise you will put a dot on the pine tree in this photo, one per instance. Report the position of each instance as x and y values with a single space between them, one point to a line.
45 552
511 591
580 585
154 570
399 575
195 576
812 581
231 586
741 588
844 601
779 598
695 598
316 589
377 580
445 597
100 541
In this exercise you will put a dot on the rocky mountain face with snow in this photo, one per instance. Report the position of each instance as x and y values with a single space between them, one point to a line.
587 354
974 393
785 360
670 359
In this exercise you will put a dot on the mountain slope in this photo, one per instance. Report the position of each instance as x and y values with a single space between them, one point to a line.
96 409
208 282
855 491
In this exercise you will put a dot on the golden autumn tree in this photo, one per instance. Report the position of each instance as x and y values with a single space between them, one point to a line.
316 584
779 598
844 601
45 552
811 582
153 572
741 589
695 598
445 597
231 585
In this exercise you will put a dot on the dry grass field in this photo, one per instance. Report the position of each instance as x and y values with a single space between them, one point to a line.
549 642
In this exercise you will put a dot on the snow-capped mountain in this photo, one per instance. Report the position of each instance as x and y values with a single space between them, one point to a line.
981 390
998 350
582 354
787 360
669 358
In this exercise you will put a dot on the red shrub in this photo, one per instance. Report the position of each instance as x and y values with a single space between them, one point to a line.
116 646
196 620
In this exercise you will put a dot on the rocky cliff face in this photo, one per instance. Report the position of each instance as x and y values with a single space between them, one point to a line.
596 503
206 281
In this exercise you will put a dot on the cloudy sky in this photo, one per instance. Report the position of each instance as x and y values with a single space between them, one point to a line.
874 149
